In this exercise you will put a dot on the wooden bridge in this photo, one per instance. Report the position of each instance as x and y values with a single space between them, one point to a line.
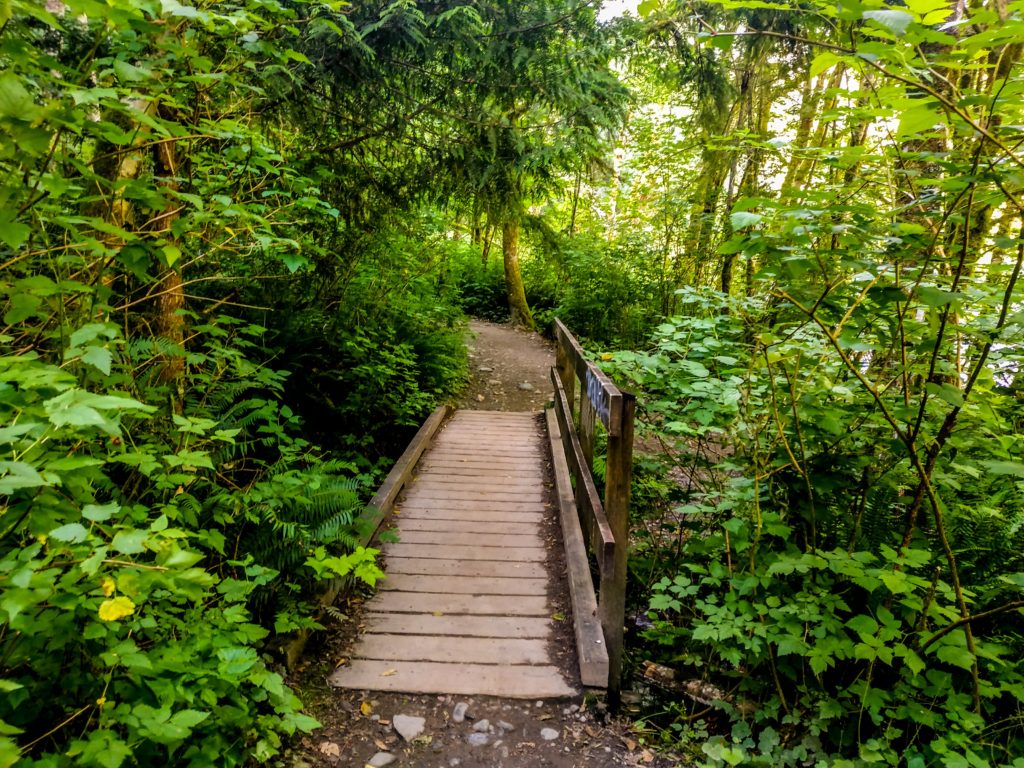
465 607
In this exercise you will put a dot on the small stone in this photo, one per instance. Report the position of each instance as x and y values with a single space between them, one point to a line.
548 734
381 759
540 703
454 762
494 382
330 749
572 709
505 725
527 387
477 739
375 717
485 369
459 713
408 727
482 726
480 398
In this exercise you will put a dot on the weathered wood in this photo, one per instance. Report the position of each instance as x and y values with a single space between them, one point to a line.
595 384
463 585
466 594
470 512
466 526
380 505
469 650
470 539
518 681
374 515
591 649
498 510
477 484
474 605
458 626
587 498
480 568
481 495
618 478
446 552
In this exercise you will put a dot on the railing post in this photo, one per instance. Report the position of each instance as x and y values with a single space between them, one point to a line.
612 595
566 371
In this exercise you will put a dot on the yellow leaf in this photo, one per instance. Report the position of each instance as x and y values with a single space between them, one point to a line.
366 708
116 608
108 586
389 673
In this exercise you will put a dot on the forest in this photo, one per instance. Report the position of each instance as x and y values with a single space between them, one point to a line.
238 243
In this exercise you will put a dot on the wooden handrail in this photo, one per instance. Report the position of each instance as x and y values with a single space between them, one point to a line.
605 522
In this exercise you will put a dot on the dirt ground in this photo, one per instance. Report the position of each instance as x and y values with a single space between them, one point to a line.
509 372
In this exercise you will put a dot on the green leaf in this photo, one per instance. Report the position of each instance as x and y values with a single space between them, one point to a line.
647 7
1014 468
895 21
72 533
742 219
947 392
98 513
823 62
956 655
13 233
15 101
130 542
171 254
99 358
15 475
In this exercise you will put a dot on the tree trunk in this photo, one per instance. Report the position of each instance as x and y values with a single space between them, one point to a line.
518 308
170 298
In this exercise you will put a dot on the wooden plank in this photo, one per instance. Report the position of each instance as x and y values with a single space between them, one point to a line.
478 483
445 552
595 384
465 526
380 505
477 568
459 473
618 477
471 650
470 538
531 514
373 516
585 488
463 585
591 649
481 496
513 681
483 505
441 464
445 604
458 626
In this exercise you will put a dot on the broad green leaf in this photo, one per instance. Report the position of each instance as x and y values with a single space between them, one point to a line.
15 475
15 101
99 358
99 513
742 219
130 542
895 21
1014 468
955 655
947 392
71 533
824 62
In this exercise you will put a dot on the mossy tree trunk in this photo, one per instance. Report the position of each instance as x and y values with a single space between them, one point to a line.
518 308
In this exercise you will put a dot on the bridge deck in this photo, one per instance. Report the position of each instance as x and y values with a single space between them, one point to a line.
464 608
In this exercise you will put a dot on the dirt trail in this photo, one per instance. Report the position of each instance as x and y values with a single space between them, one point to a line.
509 372
509 368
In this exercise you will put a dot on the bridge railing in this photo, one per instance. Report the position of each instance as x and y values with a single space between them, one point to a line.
584 395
